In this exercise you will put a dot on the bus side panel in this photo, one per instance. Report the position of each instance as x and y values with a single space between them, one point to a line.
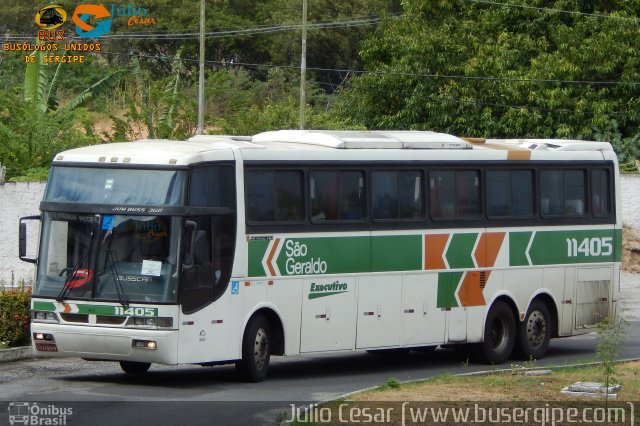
423 322
286 296
328 314
379 311
214 333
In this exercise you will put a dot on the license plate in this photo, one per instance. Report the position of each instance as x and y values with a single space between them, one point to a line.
46 347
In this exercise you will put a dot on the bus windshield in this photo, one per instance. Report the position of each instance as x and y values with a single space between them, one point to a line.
115 186
109 257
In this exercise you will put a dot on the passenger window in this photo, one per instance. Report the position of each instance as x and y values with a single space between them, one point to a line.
454 194
562 192
337 195
212 186
274 196
397 195
509 193
600 192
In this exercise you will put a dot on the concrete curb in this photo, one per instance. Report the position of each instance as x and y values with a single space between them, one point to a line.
15 354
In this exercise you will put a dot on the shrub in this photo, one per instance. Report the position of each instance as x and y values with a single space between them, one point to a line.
14 316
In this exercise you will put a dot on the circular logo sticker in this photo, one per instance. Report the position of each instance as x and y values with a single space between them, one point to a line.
51 17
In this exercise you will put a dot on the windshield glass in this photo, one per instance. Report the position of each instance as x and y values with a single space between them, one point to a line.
109 257
115 186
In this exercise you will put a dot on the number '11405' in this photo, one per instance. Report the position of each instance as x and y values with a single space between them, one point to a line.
590 247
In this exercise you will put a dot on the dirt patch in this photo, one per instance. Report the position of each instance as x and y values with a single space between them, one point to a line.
630 249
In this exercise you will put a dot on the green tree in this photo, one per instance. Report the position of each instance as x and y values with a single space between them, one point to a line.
480 69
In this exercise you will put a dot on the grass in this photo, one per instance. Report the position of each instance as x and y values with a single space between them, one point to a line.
508 386
512 388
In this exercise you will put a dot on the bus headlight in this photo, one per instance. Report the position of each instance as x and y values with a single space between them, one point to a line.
44 316
144 344
150 322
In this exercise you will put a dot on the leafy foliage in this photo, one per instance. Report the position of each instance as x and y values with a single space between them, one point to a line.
609 342
29 138
273 104
14 316
480 69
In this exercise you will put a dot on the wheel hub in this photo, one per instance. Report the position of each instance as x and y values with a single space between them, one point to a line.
261 349
536 329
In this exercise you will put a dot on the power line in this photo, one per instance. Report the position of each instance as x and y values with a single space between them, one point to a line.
407 93
265 29
547 9
387 73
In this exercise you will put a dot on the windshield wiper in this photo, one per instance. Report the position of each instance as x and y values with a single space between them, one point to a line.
73 275
122 295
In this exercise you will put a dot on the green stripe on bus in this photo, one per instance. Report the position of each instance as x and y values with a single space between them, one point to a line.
330 255
43 306
291 256
460 251
447 285
257 250
396 253
518 242
564 247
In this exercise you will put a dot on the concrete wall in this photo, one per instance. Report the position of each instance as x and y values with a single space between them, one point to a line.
17 200
23 198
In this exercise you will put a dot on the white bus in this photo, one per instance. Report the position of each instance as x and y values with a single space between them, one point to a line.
230 250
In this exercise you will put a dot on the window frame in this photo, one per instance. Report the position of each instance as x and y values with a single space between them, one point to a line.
534 195
479 170
303 197
423 200
364 169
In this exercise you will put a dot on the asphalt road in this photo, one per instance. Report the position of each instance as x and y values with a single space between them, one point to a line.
100 394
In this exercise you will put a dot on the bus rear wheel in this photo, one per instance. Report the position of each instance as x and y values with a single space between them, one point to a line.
535 332
132 367
256 351
499 335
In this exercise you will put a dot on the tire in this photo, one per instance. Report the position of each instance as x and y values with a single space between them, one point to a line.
499 335
534 332
256 351
131 367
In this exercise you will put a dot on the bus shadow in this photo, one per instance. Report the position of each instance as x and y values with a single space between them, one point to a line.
345 365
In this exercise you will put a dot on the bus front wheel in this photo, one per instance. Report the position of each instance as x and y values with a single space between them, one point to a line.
256 351
499 335
131 367
535 332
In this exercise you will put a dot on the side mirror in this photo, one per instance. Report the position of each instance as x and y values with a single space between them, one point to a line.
22 239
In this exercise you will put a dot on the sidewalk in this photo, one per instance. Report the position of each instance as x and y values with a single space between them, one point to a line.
629 303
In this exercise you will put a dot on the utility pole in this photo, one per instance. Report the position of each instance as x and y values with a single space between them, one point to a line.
303 62
201 74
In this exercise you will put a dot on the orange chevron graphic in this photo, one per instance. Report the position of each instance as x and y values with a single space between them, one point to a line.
488 248
470 293
67 308
270 258
433 250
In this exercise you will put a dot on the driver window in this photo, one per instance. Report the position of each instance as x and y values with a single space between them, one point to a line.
208 241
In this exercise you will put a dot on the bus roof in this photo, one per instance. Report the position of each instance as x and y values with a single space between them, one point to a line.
333 145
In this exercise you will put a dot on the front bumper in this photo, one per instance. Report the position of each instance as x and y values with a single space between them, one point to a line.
106 343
